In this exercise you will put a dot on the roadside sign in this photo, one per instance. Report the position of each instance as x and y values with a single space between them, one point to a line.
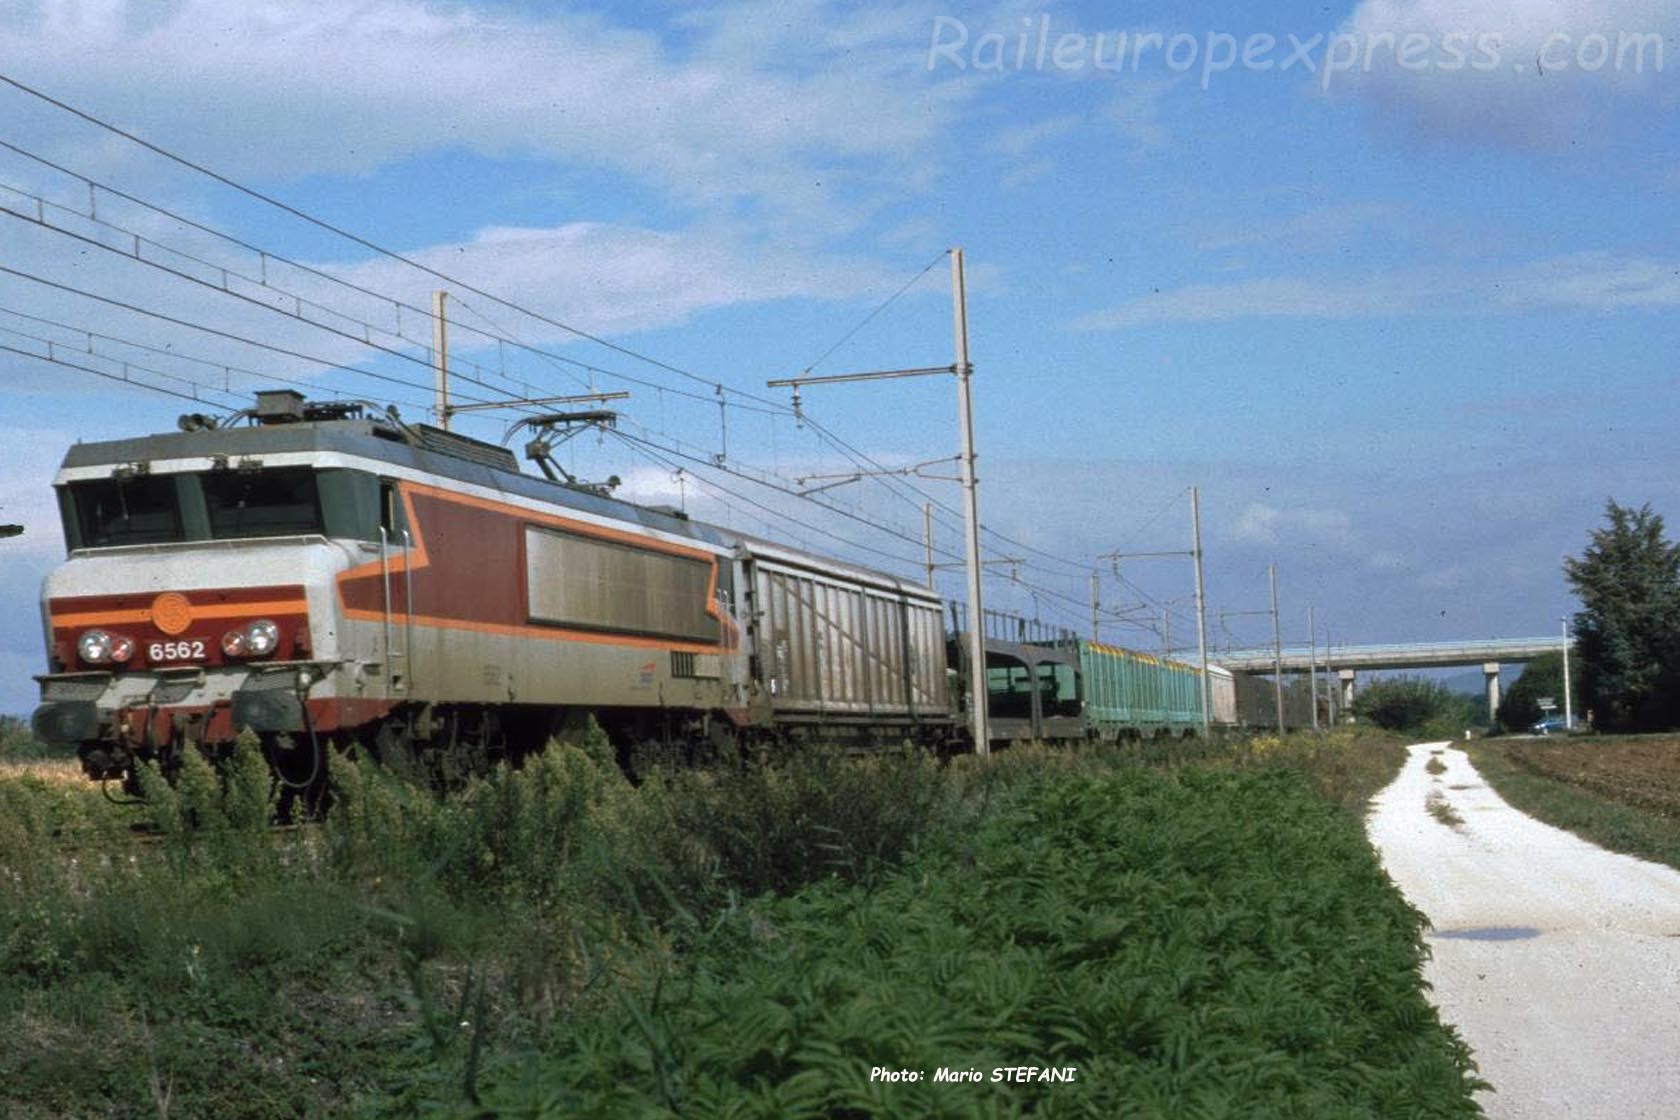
1547 704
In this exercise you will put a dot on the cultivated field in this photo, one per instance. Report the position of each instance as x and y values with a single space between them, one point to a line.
1620 792
1643 771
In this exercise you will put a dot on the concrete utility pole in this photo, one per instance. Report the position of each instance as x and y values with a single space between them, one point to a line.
1277 648
1201 603
1312 665
440 358
1568 701
979 720
979 723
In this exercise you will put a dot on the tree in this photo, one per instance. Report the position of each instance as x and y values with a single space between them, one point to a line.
1628 629
1520 708
1416 706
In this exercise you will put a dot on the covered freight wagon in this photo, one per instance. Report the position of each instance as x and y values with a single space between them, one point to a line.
837 645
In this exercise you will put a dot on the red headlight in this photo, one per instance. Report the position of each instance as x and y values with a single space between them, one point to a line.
100 647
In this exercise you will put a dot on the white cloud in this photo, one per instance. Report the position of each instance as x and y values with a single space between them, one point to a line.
1595 283
1135 115
1551 87
1385 560
808 117
1280 297
1316 228
615 279
1453 577
1262 524
1025 141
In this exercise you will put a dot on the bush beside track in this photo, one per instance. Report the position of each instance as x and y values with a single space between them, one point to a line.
1187 924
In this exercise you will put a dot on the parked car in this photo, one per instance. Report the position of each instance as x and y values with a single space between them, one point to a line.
1549 725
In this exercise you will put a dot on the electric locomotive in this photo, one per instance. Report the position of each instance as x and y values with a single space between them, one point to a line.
326 574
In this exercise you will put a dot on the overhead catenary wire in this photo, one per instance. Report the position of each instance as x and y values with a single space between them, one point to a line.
719 389
177 355
295 315
712 465
869 318
503 339
665 457
215 331
358 239
60 361
885 477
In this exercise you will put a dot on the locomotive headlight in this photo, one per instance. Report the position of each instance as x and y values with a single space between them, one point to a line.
254 639
121 648
94 647
262 638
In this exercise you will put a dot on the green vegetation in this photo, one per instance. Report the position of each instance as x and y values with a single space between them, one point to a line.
18 744
1419 708
1441 809
1623 817
1628 628
557 941
1520 708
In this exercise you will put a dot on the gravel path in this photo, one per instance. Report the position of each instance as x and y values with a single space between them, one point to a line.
1558 962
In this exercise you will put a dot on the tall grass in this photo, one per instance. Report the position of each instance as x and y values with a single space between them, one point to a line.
1133 927
397 958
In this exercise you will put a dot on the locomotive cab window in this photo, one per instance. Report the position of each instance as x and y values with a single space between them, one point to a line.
276 502
391 517
101 513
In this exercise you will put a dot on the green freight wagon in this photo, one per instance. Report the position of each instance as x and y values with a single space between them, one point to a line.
1133 694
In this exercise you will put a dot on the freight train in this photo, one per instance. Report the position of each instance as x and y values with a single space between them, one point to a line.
326 574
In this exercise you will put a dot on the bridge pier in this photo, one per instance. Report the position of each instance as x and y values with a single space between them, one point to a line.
1491 671
1347 677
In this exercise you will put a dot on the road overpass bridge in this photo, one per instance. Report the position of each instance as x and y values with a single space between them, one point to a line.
1346 661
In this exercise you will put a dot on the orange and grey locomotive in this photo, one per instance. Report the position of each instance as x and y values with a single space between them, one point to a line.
325 574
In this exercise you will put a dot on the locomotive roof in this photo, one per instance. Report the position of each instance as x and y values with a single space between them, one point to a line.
448 455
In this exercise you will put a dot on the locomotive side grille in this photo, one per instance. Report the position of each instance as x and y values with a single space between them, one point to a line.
696 666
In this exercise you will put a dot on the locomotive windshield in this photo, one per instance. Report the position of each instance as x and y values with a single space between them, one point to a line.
221 505
113 511
269 503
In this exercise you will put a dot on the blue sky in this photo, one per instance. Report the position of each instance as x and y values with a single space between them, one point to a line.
1398 292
